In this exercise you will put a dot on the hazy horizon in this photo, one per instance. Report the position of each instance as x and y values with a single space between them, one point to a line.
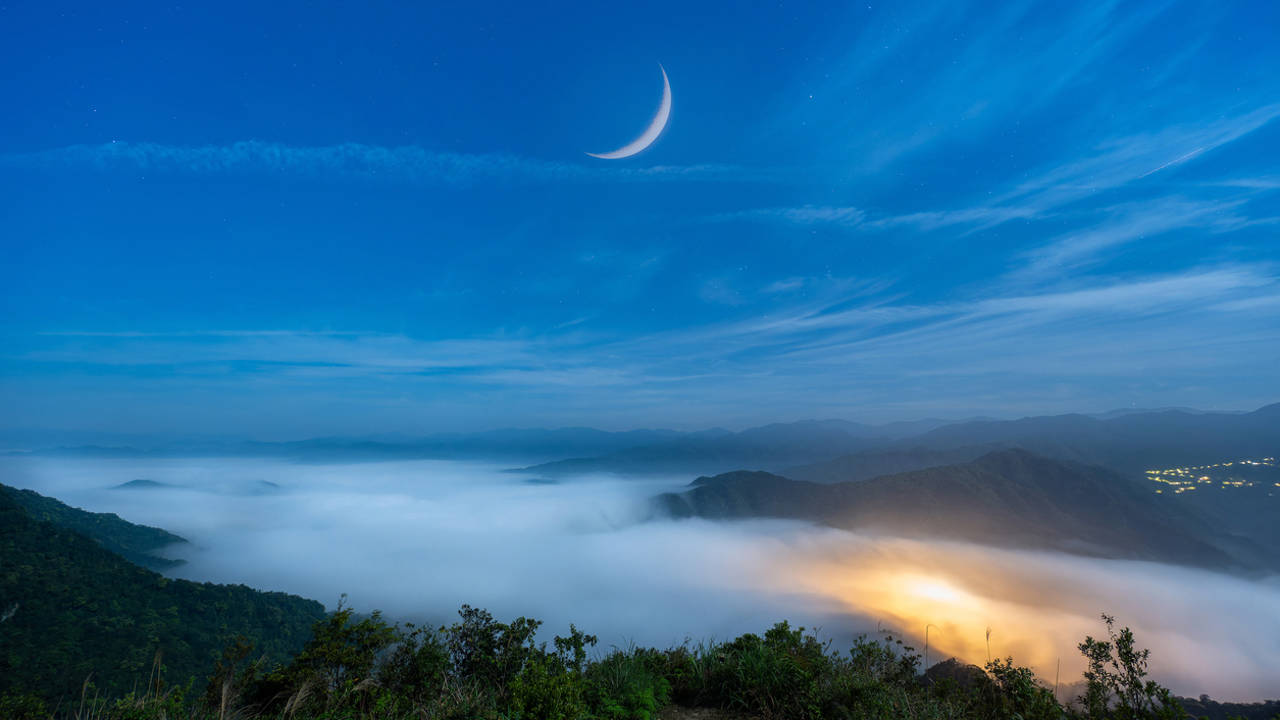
35 435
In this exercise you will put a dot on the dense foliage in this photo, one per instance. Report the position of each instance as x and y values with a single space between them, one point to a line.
73 611
136 543
363 668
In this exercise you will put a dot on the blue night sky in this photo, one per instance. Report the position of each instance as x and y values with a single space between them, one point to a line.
290 219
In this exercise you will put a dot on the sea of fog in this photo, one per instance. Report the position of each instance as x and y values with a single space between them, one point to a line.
417 539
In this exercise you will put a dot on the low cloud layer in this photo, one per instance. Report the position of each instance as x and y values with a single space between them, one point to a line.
417 539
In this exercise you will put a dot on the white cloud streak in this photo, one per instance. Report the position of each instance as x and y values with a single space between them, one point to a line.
354 160
803 215
1129 223
1111 164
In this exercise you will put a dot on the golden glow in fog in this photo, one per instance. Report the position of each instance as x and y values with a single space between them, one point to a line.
905 597
1039 606
933 589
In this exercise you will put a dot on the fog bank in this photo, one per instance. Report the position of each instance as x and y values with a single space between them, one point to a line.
417 539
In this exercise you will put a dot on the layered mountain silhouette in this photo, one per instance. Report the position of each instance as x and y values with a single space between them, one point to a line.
1011 498
771 446
1128 441
524 444
835 451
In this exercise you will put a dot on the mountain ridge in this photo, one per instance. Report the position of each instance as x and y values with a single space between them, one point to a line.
136 543
1009 498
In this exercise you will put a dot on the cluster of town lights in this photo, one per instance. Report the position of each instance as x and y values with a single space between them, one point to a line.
1185 479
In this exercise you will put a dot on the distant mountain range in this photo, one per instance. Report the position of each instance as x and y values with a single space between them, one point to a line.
1127 441
835 451
771 446
639 451
517 444
1010 498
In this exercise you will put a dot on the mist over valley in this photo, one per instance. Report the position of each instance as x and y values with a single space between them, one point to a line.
967 539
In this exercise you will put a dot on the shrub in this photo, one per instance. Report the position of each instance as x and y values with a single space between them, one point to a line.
779 675
880 678
1018 695
546 690
415 670
487 652
550 686
22 706
1115 686
628 685
335 669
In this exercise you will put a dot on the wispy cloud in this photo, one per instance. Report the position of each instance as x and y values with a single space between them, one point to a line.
1124 159
1112 164
195 352
871 349
803 215
964 81
354 160
978 217
1128 223
784 285
1264 182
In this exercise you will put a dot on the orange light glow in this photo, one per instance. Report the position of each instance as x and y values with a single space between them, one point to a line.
907 585
931 589
1038 605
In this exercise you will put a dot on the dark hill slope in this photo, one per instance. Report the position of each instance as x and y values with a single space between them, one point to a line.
877 462
1008 498
135 543
73 609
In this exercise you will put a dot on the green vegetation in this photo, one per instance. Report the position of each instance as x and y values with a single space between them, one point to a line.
363 668
74 611
135 543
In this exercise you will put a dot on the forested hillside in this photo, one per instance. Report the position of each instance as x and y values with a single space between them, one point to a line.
74 610
136 543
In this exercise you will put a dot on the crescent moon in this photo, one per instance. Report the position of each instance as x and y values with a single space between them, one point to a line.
651 133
